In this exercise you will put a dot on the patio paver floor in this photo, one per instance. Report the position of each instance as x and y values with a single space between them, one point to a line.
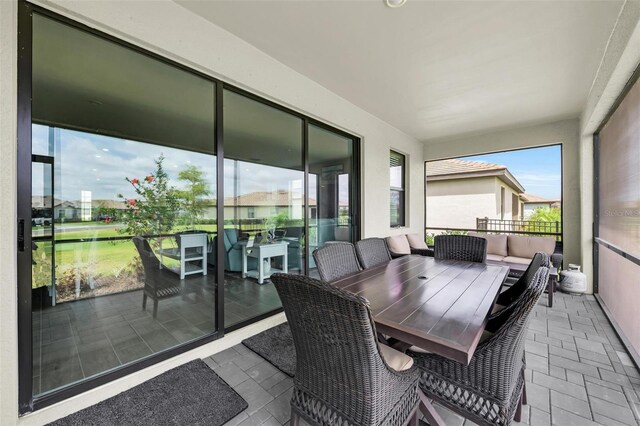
578 373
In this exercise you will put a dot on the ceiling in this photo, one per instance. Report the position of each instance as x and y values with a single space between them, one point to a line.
435 69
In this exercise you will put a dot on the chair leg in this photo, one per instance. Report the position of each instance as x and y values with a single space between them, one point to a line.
155 308
295 419
524 394
415 419
144 301
518 416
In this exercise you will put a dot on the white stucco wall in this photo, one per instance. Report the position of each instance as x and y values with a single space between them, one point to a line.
457 203
173 32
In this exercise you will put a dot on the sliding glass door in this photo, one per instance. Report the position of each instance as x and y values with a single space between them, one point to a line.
138 239
331 190
263 204
123 177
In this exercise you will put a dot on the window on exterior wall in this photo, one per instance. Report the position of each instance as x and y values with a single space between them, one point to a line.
397 193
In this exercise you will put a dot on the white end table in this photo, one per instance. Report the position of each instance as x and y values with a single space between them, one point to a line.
185 256
263 252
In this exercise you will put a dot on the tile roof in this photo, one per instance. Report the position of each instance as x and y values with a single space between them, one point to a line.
264 198
530 198
456 166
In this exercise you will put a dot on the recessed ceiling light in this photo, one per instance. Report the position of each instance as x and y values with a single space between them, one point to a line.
394 3
105 149
98 156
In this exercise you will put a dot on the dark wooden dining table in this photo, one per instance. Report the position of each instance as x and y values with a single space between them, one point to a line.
437 305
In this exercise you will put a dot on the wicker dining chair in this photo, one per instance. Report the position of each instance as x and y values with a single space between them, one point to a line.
372 252
460 247
490 390
159 282
336 260
510 296
343 375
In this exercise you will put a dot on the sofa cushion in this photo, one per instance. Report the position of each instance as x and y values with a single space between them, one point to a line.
398 244
495 257
522 246
416 241
496 243
516 259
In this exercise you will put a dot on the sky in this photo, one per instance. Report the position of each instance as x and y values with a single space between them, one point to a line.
539 170
96 163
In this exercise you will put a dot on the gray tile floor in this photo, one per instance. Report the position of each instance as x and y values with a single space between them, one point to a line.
578 373
76 340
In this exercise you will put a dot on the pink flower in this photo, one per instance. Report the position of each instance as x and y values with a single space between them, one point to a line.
135 181
132 202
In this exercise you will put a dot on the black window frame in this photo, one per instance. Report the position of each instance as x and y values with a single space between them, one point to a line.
400 191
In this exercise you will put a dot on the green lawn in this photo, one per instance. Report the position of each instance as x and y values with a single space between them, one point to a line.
99 258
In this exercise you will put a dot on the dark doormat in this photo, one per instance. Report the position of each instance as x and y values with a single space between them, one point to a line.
276 346
191 394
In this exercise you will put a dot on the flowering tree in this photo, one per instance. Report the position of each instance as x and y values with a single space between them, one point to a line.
154 210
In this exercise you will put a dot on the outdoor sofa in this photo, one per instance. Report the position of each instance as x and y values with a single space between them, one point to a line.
520 248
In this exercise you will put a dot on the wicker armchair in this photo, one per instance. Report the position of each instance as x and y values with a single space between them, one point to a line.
159 282
460 247
372 252
336 260
511 294
490 390
343 376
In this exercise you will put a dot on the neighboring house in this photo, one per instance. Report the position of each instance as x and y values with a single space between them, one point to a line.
263 204
68 210
459 191
533 202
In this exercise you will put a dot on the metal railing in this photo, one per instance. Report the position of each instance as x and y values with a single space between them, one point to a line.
496 226
526 227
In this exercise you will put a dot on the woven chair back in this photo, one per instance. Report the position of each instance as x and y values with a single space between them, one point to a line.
506 345
337 357
372 252
460 247
336 260
149 260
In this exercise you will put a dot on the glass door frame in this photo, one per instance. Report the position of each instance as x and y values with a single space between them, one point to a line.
26 401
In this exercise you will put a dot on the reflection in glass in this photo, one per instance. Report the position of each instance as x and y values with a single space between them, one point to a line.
263 205
123 201
330 180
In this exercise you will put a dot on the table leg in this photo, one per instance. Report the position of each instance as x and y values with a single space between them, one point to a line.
430 413
285 262
183 254
551 286
244 263
260 270
204 257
